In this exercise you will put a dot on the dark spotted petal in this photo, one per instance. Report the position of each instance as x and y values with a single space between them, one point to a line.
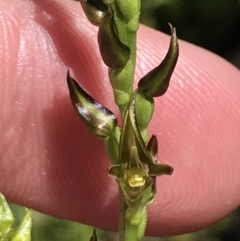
98 119
156 82
114 53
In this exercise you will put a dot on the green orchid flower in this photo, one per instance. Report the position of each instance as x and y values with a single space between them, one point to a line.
133 155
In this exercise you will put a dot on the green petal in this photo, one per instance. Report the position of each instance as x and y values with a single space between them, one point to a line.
23 232
114 53
6 218
155 169
98 119
94 15
112 145
156 82
141 147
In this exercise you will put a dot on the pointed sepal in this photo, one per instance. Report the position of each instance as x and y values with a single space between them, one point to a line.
98 119
117 170
152 147
156 82
94 236
114 53
94 15
144 108
157 169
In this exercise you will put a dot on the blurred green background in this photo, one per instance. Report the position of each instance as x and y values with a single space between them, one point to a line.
212 24
47 228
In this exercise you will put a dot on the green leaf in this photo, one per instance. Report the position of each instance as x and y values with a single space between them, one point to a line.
156 82
23 232
117 170
114 53
98 119
94 15
6 218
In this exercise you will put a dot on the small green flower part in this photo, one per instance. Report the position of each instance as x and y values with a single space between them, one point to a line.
108 2
156 82
94 236
137 166
6 219
136 177
98 119
144 155
23 232
112 145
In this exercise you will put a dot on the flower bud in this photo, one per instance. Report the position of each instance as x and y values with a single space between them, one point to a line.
98 119
93 14
129 8
114 53
156 82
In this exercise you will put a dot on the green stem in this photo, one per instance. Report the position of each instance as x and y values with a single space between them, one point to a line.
134 228
122 78
122 223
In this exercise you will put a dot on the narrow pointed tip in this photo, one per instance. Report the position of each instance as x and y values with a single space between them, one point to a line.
72 83
173 29
94 236
69 79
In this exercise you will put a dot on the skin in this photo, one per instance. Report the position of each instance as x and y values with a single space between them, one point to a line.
49 161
